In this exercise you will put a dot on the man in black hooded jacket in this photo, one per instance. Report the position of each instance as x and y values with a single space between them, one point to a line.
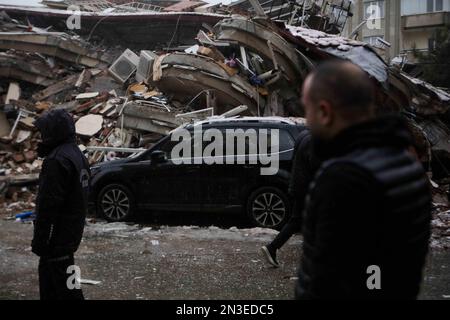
61 206
367 218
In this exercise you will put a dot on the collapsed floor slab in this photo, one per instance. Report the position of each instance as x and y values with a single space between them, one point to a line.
54 44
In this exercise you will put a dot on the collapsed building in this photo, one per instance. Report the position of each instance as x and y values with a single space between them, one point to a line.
324 15
125 97
100 20
262 64
171 23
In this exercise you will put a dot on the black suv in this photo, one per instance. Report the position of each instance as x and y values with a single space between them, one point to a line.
152 180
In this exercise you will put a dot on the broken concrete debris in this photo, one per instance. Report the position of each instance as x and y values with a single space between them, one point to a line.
114 23
13 92
54 44
145 117
188 76
89 125
329 16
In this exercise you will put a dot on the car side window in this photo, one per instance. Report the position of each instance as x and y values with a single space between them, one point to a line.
169 145
249 136
284 142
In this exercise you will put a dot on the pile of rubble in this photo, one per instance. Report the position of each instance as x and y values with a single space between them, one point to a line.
173 22
42 70
262 64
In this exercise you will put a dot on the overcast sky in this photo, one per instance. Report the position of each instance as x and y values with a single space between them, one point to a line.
37 2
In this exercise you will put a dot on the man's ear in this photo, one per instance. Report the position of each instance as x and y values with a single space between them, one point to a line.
326 114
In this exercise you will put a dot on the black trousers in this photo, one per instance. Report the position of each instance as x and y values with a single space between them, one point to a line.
294 225
53 278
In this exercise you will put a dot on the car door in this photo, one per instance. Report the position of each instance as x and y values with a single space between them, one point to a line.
156 185
224 190
173 185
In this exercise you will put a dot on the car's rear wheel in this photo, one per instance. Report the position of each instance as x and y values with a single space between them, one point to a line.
115 203
268 207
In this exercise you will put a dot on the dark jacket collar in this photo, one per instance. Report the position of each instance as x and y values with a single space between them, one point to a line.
385 131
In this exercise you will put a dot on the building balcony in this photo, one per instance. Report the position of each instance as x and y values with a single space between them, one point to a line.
426 20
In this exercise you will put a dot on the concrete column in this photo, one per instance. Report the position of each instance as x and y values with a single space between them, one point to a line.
392 27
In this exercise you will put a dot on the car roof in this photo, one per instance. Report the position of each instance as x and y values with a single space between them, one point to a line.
262 120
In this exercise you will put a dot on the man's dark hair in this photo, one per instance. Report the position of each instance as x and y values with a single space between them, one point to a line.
345 86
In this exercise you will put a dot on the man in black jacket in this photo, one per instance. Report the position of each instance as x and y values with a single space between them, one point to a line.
61 206
304 166
367 218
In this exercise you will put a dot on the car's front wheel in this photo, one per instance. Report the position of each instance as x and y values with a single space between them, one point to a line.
268 207
115 203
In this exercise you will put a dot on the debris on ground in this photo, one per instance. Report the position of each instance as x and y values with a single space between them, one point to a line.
440 225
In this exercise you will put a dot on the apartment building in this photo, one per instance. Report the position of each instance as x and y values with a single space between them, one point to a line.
396 27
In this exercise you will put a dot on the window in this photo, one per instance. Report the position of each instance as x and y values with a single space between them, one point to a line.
252 145
435 5
430 5
431 44
374 10
167 147
411 7
285 143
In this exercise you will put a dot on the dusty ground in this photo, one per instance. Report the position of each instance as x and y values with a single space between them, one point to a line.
135 262
149 261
